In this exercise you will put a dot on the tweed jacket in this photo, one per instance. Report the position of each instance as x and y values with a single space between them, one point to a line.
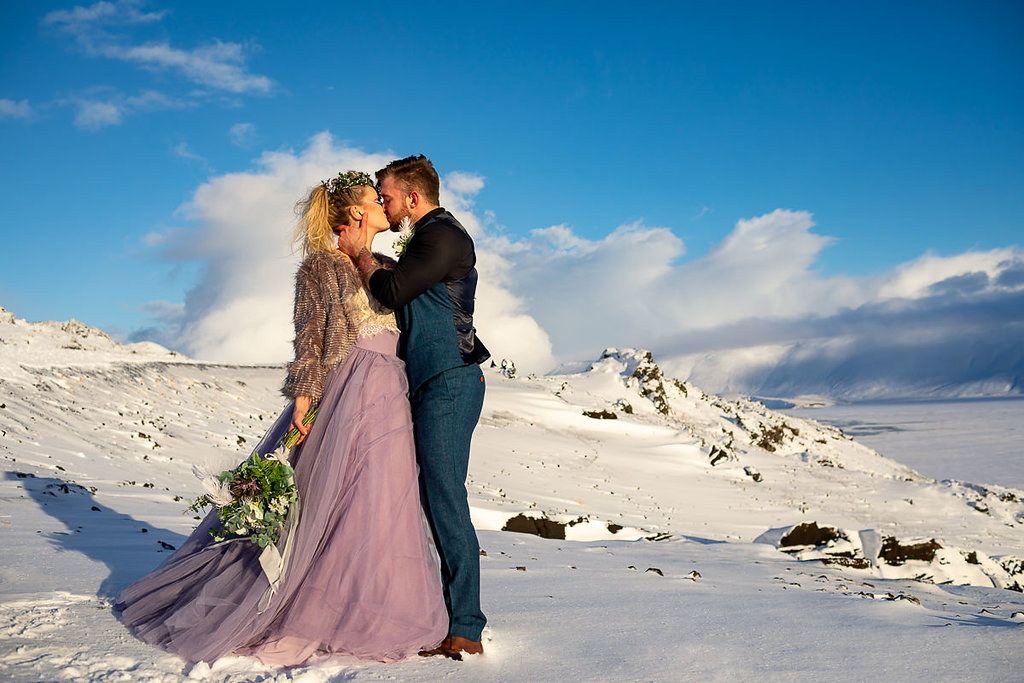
332 309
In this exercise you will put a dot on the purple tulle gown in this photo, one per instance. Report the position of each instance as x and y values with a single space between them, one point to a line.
361 579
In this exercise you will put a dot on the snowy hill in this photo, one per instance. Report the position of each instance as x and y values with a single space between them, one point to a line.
687 536
47 344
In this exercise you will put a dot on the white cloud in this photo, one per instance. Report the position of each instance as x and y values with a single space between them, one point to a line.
918 277
562 240
464 183
164 309
100 109
457 190
217 65
171 236
242 134
83 19
93 115
966 339
185 152
240 311
9 109
759 285
151 100
556 293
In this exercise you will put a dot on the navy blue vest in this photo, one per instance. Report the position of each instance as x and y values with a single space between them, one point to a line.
428 344
437 326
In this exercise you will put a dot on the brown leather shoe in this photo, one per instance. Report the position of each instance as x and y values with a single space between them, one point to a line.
441 649
458 645
452 647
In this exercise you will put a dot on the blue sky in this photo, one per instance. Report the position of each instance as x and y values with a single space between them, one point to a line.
898 127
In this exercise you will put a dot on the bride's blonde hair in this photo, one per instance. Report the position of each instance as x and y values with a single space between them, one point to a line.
326 207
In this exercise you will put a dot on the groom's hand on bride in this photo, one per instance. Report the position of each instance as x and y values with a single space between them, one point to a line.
351 239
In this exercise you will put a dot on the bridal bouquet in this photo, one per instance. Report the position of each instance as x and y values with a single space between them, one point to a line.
252 500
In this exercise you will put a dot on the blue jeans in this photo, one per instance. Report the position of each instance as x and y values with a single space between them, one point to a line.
445 409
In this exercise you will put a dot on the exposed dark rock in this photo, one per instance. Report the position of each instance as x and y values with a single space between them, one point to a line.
769 438
972 558
752 473
655 570
717 455
601 414
614 528
508 368
652 383
1014 566
65 487
895 554
979 507
809 533
538 526
842 561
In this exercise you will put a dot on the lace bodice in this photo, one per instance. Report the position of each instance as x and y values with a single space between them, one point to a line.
371 317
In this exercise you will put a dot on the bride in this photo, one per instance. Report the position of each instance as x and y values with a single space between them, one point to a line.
360 578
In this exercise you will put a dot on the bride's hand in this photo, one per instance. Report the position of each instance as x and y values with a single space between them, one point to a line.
302 404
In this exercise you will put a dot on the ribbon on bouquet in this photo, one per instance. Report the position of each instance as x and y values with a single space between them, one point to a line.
274 562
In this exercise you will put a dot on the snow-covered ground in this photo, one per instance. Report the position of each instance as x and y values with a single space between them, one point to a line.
678 507
979 440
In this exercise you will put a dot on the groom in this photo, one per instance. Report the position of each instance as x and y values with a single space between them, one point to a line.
431 291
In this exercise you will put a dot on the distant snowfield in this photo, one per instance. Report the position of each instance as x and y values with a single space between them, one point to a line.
677 507
979 440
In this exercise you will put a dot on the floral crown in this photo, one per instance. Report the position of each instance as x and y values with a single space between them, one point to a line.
346 180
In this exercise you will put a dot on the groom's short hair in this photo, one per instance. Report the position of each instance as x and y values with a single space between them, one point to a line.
415 173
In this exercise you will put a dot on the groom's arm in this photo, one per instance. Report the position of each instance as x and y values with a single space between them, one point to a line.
435 253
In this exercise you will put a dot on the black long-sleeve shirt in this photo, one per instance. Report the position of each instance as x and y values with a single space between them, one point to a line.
440 251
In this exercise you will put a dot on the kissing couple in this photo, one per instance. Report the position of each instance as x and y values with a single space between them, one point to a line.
387 355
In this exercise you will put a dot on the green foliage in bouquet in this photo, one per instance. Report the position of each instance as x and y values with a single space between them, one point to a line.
292 437
252 500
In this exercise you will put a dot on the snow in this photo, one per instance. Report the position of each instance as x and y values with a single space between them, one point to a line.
671 568
979 440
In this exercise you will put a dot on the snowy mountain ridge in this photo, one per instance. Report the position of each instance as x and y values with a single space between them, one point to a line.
50 343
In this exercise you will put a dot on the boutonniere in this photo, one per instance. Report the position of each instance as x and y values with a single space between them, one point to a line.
406 231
